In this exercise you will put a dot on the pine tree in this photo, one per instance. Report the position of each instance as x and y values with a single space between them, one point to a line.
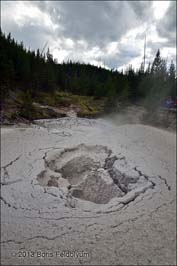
22 68
148 70
172 71
158 79
172 80
156 63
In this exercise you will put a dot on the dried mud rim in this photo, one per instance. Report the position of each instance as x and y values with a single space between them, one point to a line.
87 173
65 123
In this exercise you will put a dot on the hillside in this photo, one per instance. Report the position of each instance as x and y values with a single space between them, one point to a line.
34 85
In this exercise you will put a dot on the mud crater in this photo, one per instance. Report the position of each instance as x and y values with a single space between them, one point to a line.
87 173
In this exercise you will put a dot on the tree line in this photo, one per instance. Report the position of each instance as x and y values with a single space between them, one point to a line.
35 72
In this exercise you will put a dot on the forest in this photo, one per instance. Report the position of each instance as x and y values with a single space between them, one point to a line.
36 72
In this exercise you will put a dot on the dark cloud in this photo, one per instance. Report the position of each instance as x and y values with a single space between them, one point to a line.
96 23
142 9
166 26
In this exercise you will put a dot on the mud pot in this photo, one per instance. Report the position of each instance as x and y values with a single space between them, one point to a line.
97 192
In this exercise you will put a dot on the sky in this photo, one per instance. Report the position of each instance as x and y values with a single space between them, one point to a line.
110 34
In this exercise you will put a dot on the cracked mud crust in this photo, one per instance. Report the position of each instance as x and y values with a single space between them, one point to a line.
88 185
88 173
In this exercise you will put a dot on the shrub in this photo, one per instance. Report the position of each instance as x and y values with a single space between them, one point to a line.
27 109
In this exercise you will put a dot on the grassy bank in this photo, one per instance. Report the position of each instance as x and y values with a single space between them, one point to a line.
22 107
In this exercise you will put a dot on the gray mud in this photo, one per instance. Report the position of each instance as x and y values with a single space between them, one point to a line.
103 192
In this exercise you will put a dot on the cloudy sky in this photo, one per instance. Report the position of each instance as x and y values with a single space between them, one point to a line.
103 33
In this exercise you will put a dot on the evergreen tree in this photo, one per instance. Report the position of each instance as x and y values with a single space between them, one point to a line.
148 70
172 80
154 86
156 63
32 71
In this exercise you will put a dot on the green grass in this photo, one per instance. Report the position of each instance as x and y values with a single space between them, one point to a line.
87 106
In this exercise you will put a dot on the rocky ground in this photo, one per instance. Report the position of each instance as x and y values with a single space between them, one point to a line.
76 191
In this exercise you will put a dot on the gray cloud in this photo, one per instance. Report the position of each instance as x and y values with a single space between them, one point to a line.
142 9
166 27
97 24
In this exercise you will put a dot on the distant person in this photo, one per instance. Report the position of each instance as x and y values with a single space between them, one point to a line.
175 103
169 102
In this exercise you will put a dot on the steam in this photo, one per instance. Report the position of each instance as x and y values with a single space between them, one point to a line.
132 114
